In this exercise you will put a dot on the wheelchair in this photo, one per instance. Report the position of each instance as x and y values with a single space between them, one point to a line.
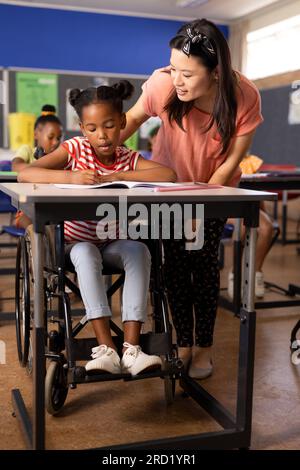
63 348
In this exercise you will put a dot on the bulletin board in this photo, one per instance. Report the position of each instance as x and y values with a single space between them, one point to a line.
33 90
64 83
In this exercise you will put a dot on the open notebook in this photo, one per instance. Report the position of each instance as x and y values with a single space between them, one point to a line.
115 184
151 186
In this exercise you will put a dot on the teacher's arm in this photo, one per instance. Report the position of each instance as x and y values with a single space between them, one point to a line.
238 151
134 118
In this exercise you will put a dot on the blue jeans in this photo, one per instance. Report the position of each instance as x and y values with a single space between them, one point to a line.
131 256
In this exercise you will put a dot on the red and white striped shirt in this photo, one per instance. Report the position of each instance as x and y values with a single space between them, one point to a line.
83 157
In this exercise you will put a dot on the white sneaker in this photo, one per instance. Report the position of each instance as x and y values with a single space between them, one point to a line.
105 359
135 361
230 285
259 284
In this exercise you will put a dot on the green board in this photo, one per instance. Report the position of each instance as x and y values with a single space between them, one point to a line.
34 90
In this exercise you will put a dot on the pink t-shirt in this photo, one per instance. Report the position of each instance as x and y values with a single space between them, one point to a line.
195 155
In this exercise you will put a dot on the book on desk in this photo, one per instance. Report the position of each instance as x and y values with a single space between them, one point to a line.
144 185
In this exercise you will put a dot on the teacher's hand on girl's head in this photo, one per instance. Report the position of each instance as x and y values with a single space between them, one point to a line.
84 177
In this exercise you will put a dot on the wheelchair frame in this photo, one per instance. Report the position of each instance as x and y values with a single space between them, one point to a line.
63 372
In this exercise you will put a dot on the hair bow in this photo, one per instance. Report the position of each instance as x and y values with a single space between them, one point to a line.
194 39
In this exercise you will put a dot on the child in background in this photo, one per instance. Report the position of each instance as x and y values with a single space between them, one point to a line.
47 137
96 158
249 165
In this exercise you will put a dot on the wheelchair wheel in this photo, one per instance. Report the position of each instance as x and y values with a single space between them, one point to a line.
22 302
56 387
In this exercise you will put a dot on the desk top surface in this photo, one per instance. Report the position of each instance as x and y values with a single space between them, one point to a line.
48 193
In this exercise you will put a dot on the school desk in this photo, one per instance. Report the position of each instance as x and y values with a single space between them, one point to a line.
279 180
46 204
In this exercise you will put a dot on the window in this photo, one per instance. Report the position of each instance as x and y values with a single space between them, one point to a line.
274 49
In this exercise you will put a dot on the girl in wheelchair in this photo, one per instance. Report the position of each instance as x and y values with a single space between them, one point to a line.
93 158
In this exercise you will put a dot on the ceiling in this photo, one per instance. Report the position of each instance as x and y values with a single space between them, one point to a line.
219 10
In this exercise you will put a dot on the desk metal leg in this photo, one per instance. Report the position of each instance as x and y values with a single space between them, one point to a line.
247 338
35 431
38 350
237 266
21 413
284 216
275 211
234 305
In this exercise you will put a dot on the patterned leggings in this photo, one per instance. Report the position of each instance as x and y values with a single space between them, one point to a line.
192 280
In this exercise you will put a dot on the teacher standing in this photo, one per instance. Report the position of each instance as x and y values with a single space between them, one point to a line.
209 114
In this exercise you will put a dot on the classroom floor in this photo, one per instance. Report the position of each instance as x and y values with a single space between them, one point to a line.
110 413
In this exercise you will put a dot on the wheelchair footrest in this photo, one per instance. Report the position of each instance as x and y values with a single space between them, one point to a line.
109 377
79 374
151 343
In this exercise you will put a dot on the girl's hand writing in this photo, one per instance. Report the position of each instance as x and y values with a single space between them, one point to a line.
112 177
84 177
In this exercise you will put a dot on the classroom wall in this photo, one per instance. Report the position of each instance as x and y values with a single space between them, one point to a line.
84 42
71 40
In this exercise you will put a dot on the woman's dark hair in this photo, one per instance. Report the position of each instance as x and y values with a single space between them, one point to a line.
47 115
114 95
202 39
